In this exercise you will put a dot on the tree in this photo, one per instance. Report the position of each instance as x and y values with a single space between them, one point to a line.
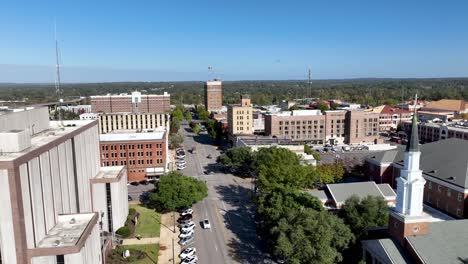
178 114
279 166
322 107
298 230
196 129
330 173
362 214
238 160
188 116
309 151
202 114
176 191
175 140
215 129
175 126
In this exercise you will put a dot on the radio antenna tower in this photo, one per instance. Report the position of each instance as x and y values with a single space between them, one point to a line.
58 91
309 91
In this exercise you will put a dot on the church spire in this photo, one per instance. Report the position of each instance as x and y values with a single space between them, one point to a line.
413 141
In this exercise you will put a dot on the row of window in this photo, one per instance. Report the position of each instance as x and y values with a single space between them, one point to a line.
131 162
130 146
309 122
448 192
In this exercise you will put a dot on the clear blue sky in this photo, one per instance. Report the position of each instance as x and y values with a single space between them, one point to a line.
256 39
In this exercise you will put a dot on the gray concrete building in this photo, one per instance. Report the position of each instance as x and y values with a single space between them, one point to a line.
53 191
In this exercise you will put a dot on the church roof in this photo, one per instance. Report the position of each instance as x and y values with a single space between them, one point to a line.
445 243
413 141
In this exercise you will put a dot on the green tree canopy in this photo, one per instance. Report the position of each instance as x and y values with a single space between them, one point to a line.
360 215
202 114
196 129
176 191
175 126
239 160
188 116
175 140
330 173
178 114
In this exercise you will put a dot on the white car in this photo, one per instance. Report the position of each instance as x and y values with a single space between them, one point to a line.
180 156
206 224
190 260
181 167
180 162
187 252
187 227
185 234
187 212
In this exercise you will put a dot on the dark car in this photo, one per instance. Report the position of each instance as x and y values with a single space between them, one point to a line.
209 157
135 183
130 198
144 182
184 218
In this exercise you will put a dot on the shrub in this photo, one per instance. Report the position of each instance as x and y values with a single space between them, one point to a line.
131 211
124 231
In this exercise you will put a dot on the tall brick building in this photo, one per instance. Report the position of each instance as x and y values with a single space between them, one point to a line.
131 103
213 96
144 154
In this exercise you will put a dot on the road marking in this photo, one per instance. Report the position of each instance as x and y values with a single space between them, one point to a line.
216 248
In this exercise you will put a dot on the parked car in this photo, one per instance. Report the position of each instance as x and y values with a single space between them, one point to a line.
188 252
130 198
144 182
135 183
209 156
187 223
206 224
186 217
186 240
187 212
181 167
184 222
188 226
187 233
190 260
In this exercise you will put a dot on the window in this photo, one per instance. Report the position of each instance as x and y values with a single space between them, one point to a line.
449 192
439 188
459 212
460 197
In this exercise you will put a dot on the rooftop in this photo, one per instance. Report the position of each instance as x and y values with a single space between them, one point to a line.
340 192
68 230
55 132
109 174
448 104
132 135
126 95
386 109
299 113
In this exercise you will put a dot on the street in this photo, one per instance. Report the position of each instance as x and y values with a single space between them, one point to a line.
228 207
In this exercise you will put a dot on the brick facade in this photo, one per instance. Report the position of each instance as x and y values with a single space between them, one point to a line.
135 155
213 96
150 103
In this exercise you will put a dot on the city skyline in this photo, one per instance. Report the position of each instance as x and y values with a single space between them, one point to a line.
242 41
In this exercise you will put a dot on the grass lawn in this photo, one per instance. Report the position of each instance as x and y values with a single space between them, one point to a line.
150 249
148 222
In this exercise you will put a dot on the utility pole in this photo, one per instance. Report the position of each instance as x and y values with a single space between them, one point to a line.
309 91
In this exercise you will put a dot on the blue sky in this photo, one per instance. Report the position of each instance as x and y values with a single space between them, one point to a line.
176 40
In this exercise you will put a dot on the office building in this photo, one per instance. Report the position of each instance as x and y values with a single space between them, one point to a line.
240 117
54 210
131 103
144 153
430 132
130 121
213 96
333 127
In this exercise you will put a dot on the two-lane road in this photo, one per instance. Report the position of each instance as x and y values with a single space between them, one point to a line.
232 237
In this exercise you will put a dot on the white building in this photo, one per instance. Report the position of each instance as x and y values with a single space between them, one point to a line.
54 192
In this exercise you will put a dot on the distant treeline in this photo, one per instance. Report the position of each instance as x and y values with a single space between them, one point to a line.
364 91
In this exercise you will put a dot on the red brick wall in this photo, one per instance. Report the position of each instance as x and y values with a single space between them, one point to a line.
444 199
116 104
151 154
399 230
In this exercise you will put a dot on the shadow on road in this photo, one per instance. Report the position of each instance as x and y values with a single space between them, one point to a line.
239 218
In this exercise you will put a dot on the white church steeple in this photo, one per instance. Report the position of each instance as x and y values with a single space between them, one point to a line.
410 184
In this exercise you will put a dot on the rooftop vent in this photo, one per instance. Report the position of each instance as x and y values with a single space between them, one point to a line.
73 221
56 243
451 178
433 171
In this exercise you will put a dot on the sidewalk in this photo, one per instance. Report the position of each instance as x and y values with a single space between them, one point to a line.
167 237
142 241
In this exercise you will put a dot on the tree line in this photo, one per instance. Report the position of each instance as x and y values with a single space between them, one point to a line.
363 91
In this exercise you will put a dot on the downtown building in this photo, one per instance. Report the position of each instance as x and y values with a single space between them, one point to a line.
240 117
391 117
430 132
59 205
135 103
144 153
332 127
213 96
